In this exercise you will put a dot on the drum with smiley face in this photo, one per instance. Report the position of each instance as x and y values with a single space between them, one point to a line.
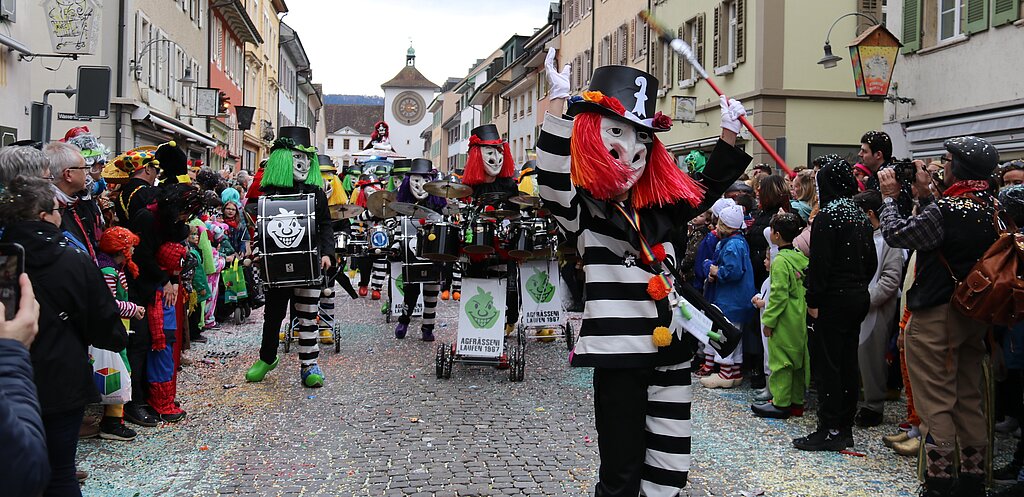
286 227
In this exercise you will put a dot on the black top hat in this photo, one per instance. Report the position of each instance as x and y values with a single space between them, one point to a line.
324 160
636 90
421 167
487 134
402 166
298 134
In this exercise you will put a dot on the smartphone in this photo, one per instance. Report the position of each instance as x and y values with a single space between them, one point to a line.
12 264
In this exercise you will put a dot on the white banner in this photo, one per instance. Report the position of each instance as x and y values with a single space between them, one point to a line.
540 288
397 294
481 318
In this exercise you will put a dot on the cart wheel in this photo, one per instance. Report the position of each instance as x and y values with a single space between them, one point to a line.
449 362
570 338
287 340
513 360
387 318
520 365
440 359
337 343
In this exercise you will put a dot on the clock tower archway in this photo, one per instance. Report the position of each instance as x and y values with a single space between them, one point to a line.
406 97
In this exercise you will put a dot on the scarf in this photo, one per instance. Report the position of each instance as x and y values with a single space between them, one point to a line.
960 188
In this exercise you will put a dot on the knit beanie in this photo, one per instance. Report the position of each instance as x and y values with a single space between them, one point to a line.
973 157
119 241
732 216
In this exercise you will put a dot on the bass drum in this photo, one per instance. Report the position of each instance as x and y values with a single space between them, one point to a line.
529 239
481 237
286 227
439 242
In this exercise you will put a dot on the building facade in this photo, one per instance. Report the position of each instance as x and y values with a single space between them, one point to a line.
441 110
230 30
948 67
467 116
350 128
261 80
405 107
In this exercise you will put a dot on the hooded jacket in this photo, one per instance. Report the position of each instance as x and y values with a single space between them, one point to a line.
842 258
76 310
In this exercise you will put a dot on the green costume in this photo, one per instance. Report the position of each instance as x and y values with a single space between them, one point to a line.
786 315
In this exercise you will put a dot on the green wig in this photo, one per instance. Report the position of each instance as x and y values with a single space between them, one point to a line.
280 167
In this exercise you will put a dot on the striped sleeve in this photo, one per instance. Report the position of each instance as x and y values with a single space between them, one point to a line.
553 167
125 309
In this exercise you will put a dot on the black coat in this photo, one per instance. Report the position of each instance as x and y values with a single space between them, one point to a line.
26 470
76 310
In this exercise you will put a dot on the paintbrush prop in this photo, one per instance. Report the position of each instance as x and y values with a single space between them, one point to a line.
682 48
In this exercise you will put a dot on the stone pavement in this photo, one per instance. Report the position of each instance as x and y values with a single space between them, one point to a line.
383 425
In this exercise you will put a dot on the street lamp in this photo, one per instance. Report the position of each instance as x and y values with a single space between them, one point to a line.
135 66
829 60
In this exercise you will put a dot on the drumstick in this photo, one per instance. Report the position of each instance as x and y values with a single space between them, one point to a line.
682 48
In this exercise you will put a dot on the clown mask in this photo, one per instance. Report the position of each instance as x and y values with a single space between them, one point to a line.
494 159
628 146
301 168
416 183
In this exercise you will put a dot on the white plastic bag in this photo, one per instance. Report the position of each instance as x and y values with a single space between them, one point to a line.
112 375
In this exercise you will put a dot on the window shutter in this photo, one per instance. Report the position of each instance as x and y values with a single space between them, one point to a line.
647 36
655 62
1004 12
872 8
911 26
741 30
613 52
623 44
680 60
632 37
717 37
977 16
698 44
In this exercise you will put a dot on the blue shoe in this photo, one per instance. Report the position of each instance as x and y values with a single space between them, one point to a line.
428 332
312 377
401 330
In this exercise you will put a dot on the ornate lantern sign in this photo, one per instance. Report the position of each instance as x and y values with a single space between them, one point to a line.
873 55
74 25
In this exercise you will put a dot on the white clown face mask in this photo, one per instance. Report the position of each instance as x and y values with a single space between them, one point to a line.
416 183
628 145
494 159
301 168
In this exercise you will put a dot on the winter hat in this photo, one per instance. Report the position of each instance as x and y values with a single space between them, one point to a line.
720 205
732 217
1012 200
119 241
973 157
170 256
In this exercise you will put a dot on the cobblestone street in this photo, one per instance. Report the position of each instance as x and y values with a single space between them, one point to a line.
384 425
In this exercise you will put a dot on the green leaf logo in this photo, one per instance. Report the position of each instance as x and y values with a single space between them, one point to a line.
481 311
539 287
399 284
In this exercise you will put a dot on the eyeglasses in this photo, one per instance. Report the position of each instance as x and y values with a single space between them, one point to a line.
49 178
80 167
946 159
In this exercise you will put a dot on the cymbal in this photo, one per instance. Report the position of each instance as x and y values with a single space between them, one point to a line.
378 204
525 200
414 211
447 189
501 214
491 198
345 211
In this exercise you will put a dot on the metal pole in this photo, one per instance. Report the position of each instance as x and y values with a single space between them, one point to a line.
47 112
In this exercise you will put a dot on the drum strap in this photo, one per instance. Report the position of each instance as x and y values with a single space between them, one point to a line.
633 218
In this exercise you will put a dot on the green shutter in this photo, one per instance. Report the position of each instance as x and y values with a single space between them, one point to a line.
911 26
1004 12
977 16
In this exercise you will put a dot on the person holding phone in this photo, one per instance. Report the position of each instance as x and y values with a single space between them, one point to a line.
22 438
76 310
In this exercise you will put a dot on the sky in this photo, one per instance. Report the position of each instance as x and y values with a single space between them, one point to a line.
355 45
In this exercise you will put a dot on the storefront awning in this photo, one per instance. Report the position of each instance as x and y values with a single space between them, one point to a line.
173 126
1003 128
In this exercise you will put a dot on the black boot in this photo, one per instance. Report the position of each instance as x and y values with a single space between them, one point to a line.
970 485
938 487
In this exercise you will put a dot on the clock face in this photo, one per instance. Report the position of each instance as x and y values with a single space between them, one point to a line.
408 108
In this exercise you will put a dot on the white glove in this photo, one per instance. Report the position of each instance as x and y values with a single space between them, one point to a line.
558 82
732 110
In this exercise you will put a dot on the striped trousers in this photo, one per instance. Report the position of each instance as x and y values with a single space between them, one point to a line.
643 429
304 304
412 294
381 268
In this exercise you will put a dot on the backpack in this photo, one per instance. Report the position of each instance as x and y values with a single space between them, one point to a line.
993 290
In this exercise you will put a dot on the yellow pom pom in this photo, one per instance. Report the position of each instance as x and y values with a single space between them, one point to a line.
431 237
661 336
172 143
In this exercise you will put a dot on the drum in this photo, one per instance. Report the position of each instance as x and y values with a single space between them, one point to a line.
529 239
286 227
439 242
480 237
421 272
378 239
341 243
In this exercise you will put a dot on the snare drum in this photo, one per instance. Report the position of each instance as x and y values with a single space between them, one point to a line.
342 243
286 226
481 237
439 242
529 239
378 238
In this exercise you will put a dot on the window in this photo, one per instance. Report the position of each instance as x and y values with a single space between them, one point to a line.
346 143
330 143
729 35
588 66
514 116
529 102
362 143
693 33
950 17
622 44
639 32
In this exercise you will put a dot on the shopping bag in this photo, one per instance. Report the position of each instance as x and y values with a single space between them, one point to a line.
234 283
112 375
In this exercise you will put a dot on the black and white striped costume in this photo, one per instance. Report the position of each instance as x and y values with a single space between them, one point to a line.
642 392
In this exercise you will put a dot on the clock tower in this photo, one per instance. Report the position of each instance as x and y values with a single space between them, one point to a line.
406 97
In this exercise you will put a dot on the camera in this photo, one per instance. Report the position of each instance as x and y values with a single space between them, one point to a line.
906 171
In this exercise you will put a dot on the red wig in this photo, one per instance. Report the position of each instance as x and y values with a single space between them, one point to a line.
375 136
475 173
593 168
